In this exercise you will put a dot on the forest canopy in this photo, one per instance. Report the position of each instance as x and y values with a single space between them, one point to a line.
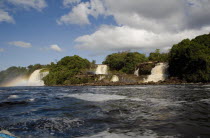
65 70
190 59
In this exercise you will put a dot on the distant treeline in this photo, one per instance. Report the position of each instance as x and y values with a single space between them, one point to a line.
188 60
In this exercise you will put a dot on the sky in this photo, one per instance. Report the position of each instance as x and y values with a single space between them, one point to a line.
44 31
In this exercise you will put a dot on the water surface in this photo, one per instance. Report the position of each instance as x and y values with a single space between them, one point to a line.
106 111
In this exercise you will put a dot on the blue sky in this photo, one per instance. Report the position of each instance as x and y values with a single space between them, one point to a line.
43 31
39 28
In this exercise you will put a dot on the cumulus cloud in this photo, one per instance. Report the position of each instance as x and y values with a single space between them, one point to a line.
126 38
141 24
1 50
21 44
160 15
80 13
5 17
27 4
67 3
56 48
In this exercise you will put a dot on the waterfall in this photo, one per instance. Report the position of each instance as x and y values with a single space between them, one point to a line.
136 72
36 78
101 77
115 78
158 73
101 70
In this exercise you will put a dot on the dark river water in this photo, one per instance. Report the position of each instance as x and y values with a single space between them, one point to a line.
106 112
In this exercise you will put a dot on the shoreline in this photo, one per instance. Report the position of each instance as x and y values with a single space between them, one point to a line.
118 84
127 84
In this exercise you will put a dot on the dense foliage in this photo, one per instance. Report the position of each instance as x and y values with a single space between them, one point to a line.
190 60
65 71
125 61
157 56
11 73
145 68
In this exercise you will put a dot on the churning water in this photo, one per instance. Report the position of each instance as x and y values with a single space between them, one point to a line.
120 111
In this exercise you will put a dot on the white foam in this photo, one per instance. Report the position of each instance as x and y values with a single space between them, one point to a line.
13 97
96 97
31 100
106 134
99 97
164 102
205 100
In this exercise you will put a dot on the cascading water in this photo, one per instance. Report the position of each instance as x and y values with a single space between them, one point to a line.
36 78
101 70
115 78
136 72
158 73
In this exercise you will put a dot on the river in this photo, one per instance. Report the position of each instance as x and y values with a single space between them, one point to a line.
106 111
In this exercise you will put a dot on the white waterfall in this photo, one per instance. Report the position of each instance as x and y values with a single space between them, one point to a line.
101 70
158 73
136 72
101 77
36 78
115 78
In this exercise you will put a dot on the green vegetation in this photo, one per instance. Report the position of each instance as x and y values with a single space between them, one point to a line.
125 61
32 68
190 60
157 56
66 71
145 68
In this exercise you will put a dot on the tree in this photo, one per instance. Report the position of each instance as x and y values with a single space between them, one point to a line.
125 61
157 56
190 59
65 70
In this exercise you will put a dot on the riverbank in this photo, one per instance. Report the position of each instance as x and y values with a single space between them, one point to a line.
124 84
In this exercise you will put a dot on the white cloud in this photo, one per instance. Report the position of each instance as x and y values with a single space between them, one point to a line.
27 4
146 24
56 48
21 44
80 13
1 50
5 17
67 3
124 38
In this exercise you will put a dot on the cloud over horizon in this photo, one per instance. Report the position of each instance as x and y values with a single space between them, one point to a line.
111 38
